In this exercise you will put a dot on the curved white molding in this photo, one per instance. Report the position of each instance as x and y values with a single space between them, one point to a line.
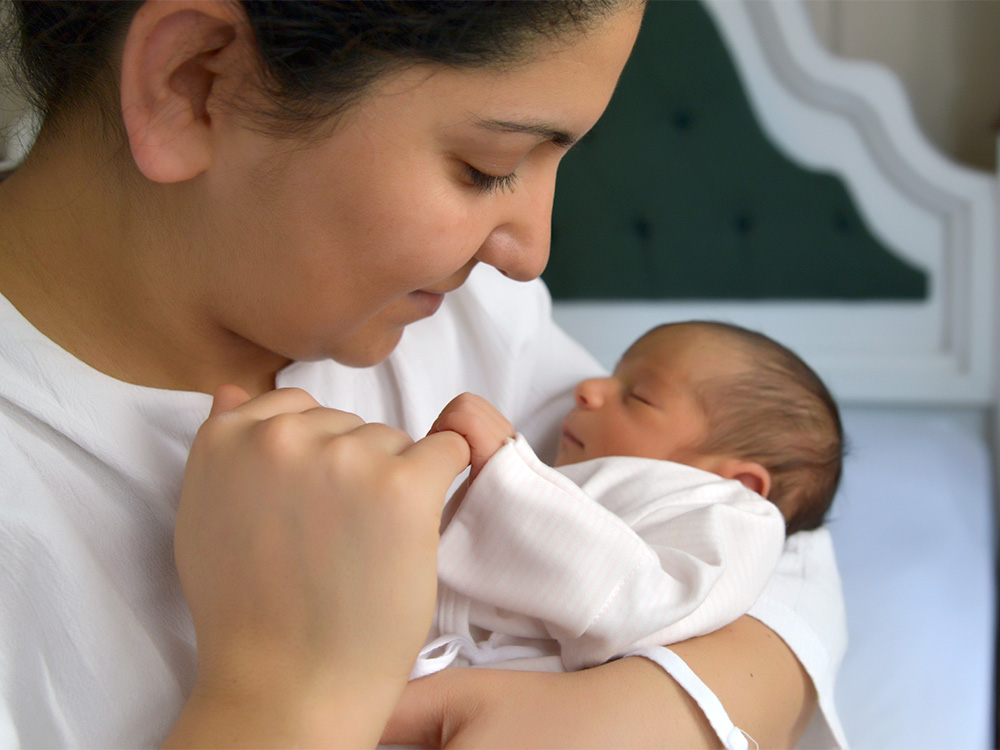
853 119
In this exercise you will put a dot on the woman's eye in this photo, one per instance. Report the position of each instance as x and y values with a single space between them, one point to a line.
490 183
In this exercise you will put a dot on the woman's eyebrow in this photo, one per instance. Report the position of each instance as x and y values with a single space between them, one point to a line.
559 137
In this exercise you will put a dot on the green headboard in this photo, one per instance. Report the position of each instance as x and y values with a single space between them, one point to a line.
678 194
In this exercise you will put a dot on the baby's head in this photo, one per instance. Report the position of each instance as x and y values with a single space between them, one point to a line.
719 398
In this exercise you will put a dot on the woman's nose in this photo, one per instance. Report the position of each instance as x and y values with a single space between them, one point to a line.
519 245
590 393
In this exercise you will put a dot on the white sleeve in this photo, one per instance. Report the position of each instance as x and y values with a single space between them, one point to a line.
526 539
804 604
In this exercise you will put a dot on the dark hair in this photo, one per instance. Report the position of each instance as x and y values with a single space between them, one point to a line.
316 57
777 412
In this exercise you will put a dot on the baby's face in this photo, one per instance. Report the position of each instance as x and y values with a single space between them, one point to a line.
648 407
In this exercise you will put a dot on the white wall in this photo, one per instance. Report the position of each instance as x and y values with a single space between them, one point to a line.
947 53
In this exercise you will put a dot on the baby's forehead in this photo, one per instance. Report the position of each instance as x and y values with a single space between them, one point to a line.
687 360
689 344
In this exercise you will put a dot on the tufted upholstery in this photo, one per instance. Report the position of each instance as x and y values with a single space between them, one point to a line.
677 193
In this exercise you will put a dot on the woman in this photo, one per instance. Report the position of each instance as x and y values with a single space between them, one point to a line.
229 198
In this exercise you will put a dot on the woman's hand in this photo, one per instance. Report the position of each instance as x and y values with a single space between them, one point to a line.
625 703
478 421
306 545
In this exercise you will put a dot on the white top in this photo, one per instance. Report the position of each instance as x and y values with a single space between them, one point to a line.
604 557
96 643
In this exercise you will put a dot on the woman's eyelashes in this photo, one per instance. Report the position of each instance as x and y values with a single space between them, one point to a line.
490 183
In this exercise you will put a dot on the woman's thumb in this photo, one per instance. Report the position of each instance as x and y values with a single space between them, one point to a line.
228 397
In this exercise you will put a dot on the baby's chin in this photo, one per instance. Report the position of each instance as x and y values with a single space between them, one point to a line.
569 451
564 460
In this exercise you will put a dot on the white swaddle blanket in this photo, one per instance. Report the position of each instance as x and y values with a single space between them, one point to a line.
595 559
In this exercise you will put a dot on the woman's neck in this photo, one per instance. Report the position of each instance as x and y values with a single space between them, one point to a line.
87 259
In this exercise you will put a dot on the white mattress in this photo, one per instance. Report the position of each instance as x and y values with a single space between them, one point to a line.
913 529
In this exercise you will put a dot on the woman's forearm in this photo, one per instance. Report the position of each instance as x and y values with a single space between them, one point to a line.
625 703
765 690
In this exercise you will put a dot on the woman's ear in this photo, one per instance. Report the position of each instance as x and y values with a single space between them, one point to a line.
751 474
175 54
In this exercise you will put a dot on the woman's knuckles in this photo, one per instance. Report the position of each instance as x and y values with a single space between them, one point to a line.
279 438
293 435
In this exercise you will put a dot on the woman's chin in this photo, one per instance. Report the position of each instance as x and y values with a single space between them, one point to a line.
368 351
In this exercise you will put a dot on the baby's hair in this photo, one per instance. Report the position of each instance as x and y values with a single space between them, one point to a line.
777 412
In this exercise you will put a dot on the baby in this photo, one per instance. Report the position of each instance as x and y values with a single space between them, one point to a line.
678 478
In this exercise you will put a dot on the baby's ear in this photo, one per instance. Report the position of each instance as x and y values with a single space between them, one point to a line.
751 474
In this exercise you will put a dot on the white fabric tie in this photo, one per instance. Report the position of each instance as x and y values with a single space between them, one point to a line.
442 652
731 736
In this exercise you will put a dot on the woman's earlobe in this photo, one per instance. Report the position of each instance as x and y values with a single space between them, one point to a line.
170 71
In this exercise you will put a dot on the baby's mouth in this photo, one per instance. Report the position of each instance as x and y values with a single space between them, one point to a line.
571 438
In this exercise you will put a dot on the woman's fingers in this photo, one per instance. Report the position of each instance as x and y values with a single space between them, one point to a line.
445 453
292 414
478 421
374 435
280 418
228 397
280 401
303 531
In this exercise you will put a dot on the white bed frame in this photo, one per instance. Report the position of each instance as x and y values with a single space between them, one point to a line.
916 378
853 119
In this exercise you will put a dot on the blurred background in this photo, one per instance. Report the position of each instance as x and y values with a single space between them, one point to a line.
947 54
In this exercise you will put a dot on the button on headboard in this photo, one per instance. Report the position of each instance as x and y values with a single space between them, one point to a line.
678 193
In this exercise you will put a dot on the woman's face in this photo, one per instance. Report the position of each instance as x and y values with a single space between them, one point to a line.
331 248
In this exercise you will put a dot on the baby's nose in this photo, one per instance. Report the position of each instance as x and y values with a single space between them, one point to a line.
590 393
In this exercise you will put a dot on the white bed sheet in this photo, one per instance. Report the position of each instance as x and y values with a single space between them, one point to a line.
914 532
